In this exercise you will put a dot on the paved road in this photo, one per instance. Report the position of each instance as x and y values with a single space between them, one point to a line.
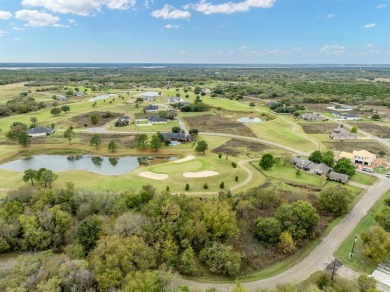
322 255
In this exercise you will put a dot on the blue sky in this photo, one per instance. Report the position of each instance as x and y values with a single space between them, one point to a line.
196 31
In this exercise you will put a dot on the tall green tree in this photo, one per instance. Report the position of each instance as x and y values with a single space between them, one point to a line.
335 200
299 218
95 140
55 111
383 218
142 141
112 147
201 147
267 161
376 244
88 233
316 156
48 177
24 139
328 158
345 166
155 143
69 134
30 175
65 108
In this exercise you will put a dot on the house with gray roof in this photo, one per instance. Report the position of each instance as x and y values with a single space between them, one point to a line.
173 100
156 120
342 134
309 166
151 108
122 121
40 131
339 177
311 117
181 137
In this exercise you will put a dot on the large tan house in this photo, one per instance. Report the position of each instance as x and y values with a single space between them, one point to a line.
362 156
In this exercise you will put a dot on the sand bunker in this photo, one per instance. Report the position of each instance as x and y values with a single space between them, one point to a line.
152 175
205 173
187 158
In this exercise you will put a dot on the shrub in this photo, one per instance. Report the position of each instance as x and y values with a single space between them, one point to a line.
236 178
222 185
187 187
234 164
205 186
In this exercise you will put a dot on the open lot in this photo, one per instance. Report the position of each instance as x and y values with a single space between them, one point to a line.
218 124
318 128
379 129
235 147
349 146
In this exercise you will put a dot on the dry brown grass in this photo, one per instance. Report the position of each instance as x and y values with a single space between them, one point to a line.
319 128
219 123
235 147
373 147
379 130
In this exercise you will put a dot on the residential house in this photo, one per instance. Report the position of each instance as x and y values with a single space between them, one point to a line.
122 121
40 131
346 116
313 117
156 120
62 98
342 134
180 137
78 93
339 177
309 166
173 100
362 157
151 108
148 95
206 91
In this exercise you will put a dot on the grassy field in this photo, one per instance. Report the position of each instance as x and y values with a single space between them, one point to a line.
360 262
362 178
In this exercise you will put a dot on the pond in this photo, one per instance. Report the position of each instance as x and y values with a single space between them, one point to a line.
101 97
249 120
96 164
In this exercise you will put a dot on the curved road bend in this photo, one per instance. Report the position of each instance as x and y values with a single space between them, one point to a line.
321 255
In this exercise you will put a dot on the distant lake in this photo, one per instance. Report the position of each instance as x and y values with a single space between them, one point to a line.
96 164
101 97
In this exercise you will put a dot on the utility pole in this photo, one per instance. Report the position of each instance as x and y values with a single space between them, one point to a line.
334 268
353 247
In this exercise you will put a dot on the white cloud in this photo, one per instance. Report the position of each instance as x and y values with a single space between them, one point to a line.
36 18
231 7
3 32
333 50
71 21
381 6
330 15
369 25
17 39
172 26
169 12
5 15
80 7
372 49
18 28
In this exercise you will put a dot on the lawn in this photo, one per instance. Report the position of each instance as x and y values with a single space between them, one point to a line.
281 131
289 173
362 178
360 262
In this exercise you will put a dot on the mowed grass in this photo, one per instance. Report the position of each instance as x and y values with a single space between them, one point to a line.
289 173
362 178
358 261
280 131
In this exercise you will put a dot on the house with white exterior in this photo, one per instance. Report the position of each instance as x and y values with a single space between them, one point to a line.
173 100
346 116
342 134
359 156
311 117
39 131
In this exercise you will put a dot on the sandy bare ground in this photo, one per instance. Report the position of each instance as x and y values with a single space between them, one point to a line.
152 175
205 173
187 158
